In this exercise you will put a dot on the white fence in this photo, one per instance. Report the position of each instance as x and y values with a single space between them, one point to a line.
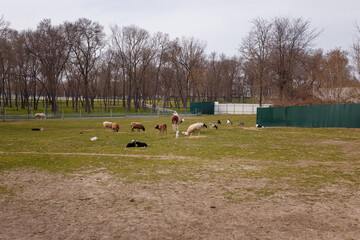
236 108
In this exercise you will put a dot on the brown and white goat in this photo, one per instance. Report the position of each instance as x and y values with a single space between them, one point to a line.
175 121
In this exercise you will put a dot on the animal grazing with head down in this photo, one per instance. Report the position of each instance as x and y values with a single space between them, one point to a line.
162 127
115 127
107 124
213 125
196 127
218 122
138 126
40 116
228 121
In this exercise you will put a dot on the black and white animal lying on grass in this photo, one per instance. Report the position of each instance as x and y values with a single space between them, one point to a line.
132 144
136 144
140 144
213 125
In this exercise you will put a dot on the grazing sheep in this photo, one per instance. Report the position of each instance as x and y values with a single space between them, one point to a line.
107 124
162 127
115 127
40 116
182 120
175 121
213 125
140 144
218 122
132 144
138 126
195 127
228 121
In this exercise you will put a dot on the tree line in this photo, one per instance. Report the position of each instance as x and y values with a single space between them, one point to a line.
276 62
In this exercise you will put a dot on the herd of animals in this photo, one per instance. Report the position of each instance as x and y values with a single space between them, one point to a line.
162 127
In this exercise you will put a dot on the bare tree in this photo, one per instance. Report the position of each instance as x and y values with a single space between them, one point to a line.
213 77
51 49
88 41
4 60
187 55
291 39
356 52
256 50
334 81
162 50
135 49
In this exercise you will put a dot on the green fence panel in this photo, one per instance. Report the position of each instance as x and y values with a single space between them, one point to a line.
356 115
202 107
278 115
318 115
264 116
336 115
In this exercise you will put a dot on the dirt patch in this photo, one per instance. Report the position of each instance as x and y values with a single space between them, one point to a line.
96 205
165 157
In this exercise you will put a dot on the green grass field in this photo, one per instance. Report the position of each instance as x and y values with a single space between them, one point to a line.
240 164
63 140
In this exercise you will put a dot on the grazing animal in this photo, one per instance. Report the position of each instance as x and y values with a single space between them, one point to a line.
218 122
138 126
40 116
107 124
228 121
132 144
213 125
196 127
175 121
140 144
115 127
162 127
182 120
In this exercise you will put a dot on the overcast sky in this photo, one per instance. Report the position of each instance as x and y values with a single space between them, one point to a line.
221 24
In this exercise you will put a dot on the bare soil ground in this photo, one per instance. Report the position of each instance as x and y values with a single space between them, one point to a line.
97 205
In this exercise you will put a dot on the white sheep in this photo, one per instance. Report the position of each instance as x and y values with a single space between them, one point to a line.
194 127
40 115
107 124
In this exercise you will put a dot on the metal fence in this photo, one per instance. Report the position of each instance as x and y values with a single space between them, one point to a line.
14 116
236 108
